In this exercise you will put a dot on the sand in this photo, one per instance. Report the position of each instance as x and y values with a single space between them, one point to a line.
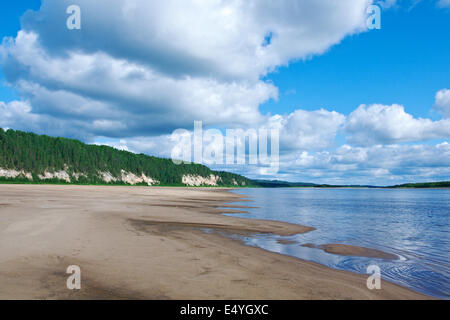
349 250
149 243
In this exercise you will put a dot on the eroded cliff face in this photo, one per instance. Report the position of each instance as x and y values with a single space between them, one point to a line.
131 178
60 175
63 175
11 173
107 177
197 180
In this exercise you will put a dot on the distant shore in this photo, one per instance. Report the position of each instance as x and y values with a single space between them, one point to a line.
256 184
150 243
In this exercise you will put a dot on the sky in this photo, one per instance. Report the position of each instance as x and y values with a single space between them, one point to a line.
352 105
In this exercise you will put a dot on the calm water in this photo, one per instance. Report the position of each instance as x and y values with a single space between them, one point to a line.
413 224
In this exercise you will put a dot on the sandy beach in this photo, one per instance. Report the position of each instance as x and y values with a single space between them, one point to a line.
149 243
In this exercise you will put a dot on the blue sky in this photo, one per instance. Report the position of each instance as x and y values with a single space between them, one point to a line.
10 15
9 26
341 96
405 62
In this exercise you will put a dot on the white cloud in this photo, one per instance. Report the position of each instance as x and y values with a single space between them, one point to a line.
444 3
18 115
386 4
307 130
376 165
148 67
14 111
300 130
380 124
99 87
443 102
219 38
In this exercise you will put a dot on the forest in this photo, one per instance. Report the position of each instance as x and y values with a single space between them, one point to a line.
36 154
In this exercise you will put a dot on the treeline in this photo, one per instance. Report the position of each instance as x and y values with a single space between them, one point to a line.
36 154
441 184
286 184
283 184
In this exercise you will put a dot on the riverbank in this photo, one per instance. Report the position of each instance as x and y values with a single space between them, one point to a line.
149 243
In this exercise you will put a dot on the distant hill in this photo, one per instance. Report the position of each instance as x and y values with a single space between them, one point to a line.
442 184
286 184
31 158
282 184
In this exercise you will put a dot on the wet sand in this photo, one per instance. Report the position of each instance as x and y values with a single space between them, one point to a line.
149 243
349 250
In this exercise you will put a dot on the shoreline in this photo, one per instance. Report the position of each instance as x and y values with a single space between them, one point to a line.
149 243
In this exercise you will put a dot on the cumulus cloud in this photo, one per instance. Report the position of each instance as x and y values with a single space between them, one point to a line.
97 87
443 102
376 165
307 130
219 38
139 68
18 115
299 130
15 112
381 124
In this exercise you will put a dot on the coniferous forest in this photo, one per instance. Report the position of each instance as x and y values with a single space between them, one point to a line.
36 154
